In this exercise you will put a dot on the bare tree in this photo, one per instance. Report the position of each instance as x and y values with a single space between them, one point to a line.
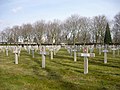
6 34
72 26
74 29
99 26
54 31
116 29
4 37
39 30
85 30
15 33
77 29
26 30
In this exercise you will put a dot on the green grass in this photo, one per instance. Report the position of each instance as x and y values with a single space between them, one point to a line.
61 73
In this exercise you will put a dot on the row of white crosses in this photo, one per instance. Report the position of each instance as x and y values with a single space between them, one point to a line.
31 49
75 49
35 48
43 53
27 48
71 49
2 49
53 50
6 49
105 52
85 54
115 49
56 49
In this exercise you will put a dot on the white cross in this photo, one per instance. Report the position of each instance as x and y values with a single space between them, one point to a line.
75 58
7 51
118 50
99 47
16 55
51 49
69 50
105 55
91 49
113 49
32 52
85 54
43 53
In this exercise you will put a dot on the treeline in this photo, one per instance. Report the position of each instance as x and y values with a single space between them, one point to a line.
75 29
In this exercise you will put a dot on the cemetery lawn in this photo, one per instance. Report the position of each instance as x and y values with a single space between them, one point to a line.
61 73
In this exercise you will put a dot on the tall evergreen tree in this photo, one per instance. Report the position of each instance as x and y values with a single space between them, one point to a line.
107 38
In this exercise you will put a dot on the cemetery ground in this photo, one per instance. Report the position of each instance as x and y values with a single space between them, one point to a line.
61 73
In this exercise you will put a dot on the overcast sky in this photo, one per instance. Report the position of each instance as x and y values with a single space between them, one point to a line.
17 12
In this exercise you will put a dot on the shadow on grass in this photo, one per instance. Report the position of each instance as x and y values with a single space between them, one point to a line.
64 85
102 63
66 65
56 77
38 62
52 74
64 57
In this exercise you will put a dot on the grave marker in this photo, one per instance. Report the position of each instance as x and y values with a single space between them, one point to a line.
29 49
91 49
19 50
51 52
85 54
74 50
54 50
43 53
118 51
33 52
69 49
99 47
16 55
6 51
114 49
105 55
